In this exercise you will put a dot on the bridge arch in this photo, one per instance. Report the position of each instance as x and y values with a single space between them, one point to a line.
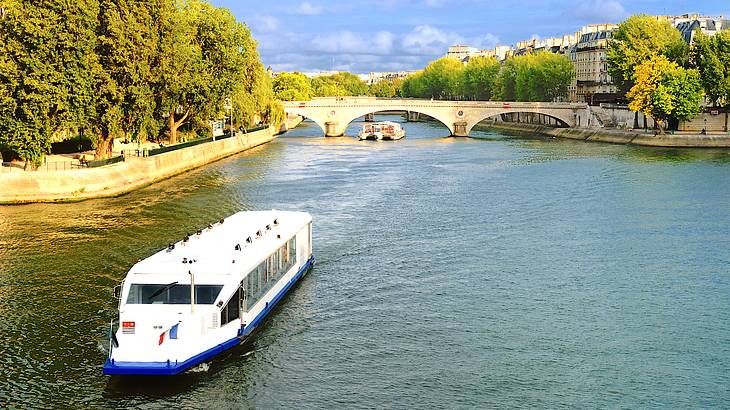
355 114
562 119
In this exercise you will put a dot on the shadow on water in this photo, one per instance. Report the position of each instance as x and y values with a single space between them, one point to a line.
550 148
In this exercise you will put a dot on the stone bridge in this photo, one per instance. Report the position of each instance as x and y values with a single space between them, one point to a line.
335 114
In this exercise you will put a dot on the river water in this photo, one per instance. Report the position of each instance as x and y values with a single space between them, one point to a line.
452 273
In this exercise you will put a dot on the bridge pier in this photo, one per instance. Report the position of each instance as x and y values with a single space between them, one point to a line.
460 129
332 129
413 116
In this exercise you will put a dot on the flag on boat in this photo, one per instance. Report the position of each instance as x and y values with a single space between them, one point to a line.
171 333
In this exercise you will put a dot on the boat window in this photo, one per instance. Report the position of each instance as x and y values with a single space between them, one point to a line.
172 294
268 273
231 311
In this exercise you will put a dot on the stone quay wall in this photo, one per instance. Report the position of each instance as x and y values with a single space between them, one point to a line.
121 178
617 136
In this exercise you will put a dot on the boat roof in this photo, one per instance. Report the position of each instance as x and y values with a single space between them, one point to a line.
233 245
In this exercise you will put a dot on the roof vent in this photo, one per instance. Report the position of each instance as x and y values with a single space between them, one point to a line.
268 227
185 260
221 221
238 247
276 222
199 232
259 234
249 240
170 247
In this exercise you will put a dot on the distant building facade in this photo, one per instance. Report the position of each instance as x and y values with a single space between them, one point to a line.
592 82
374 78
688 26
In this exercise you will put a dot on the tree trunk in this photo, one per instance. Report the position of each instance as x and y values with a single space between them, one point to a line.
173 128
174 125
636 120
726 121
103 147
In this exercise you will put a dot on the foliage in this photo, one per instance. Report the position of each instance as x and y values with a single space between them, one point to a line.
663 90
543 77
443 79
337 85
118 67
45 72
386 88
292 87
636 40
711 55
124 72
479 77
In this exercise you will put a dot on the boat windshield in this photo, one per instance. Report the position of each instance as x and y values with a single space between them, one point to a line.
172 294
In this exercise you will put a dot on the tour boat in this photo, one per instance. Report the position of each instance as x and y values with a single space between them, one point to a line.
382 131
205 294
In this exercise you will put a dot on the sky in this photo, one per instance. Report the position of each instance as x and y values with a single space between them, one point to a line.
363 36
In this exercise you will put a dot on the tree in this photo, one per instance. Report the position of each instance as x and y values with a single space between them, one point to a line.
292 87
479 78
386 88
636 40
506 82
711 56
45 73
663 90
126 44
339 85
443 79
542 76
414 86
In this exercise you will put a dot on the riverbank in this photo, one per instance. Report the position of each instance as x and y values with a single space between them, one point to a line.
121 178
614 136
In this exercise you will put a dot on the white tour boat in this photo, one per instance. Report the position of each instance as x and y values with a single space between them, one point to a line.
236 271
382 131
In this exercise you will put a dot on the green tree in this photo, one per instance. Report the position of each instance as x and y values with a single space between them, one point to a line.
663 90
45 72
479 77
292 87
339 85
506 82
414 86
636 40
386 88
443 79
126 44
711 56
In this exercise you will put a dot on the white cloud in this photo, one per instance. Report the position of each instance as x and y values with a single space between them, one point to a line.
354 43
264 24
428 40
306 8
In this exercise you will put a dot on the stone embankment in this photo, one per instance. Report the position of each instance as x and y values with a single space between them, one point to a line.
613 136
118 179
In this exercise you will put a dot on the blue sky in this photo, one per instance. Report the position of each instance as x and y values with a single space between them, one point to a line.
391 35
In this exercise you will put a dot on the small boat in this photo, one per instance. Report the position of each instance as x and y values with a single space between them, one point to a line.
382 131
203 295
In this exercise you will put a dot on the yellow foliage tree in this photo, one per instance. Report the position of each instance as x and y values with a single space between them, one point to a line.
663 90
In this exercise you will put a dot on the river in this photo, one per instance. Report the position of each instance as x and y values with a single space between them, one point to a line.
452 273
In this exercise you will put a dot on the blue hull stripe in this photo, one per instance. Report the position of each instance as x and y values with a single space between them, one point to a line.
169 368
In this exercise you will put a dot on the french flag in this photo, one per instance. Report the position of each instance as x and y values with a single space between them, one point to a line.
171 332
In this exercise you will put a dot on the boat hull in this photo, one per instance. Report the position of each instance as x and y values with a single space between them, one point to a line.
169 368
